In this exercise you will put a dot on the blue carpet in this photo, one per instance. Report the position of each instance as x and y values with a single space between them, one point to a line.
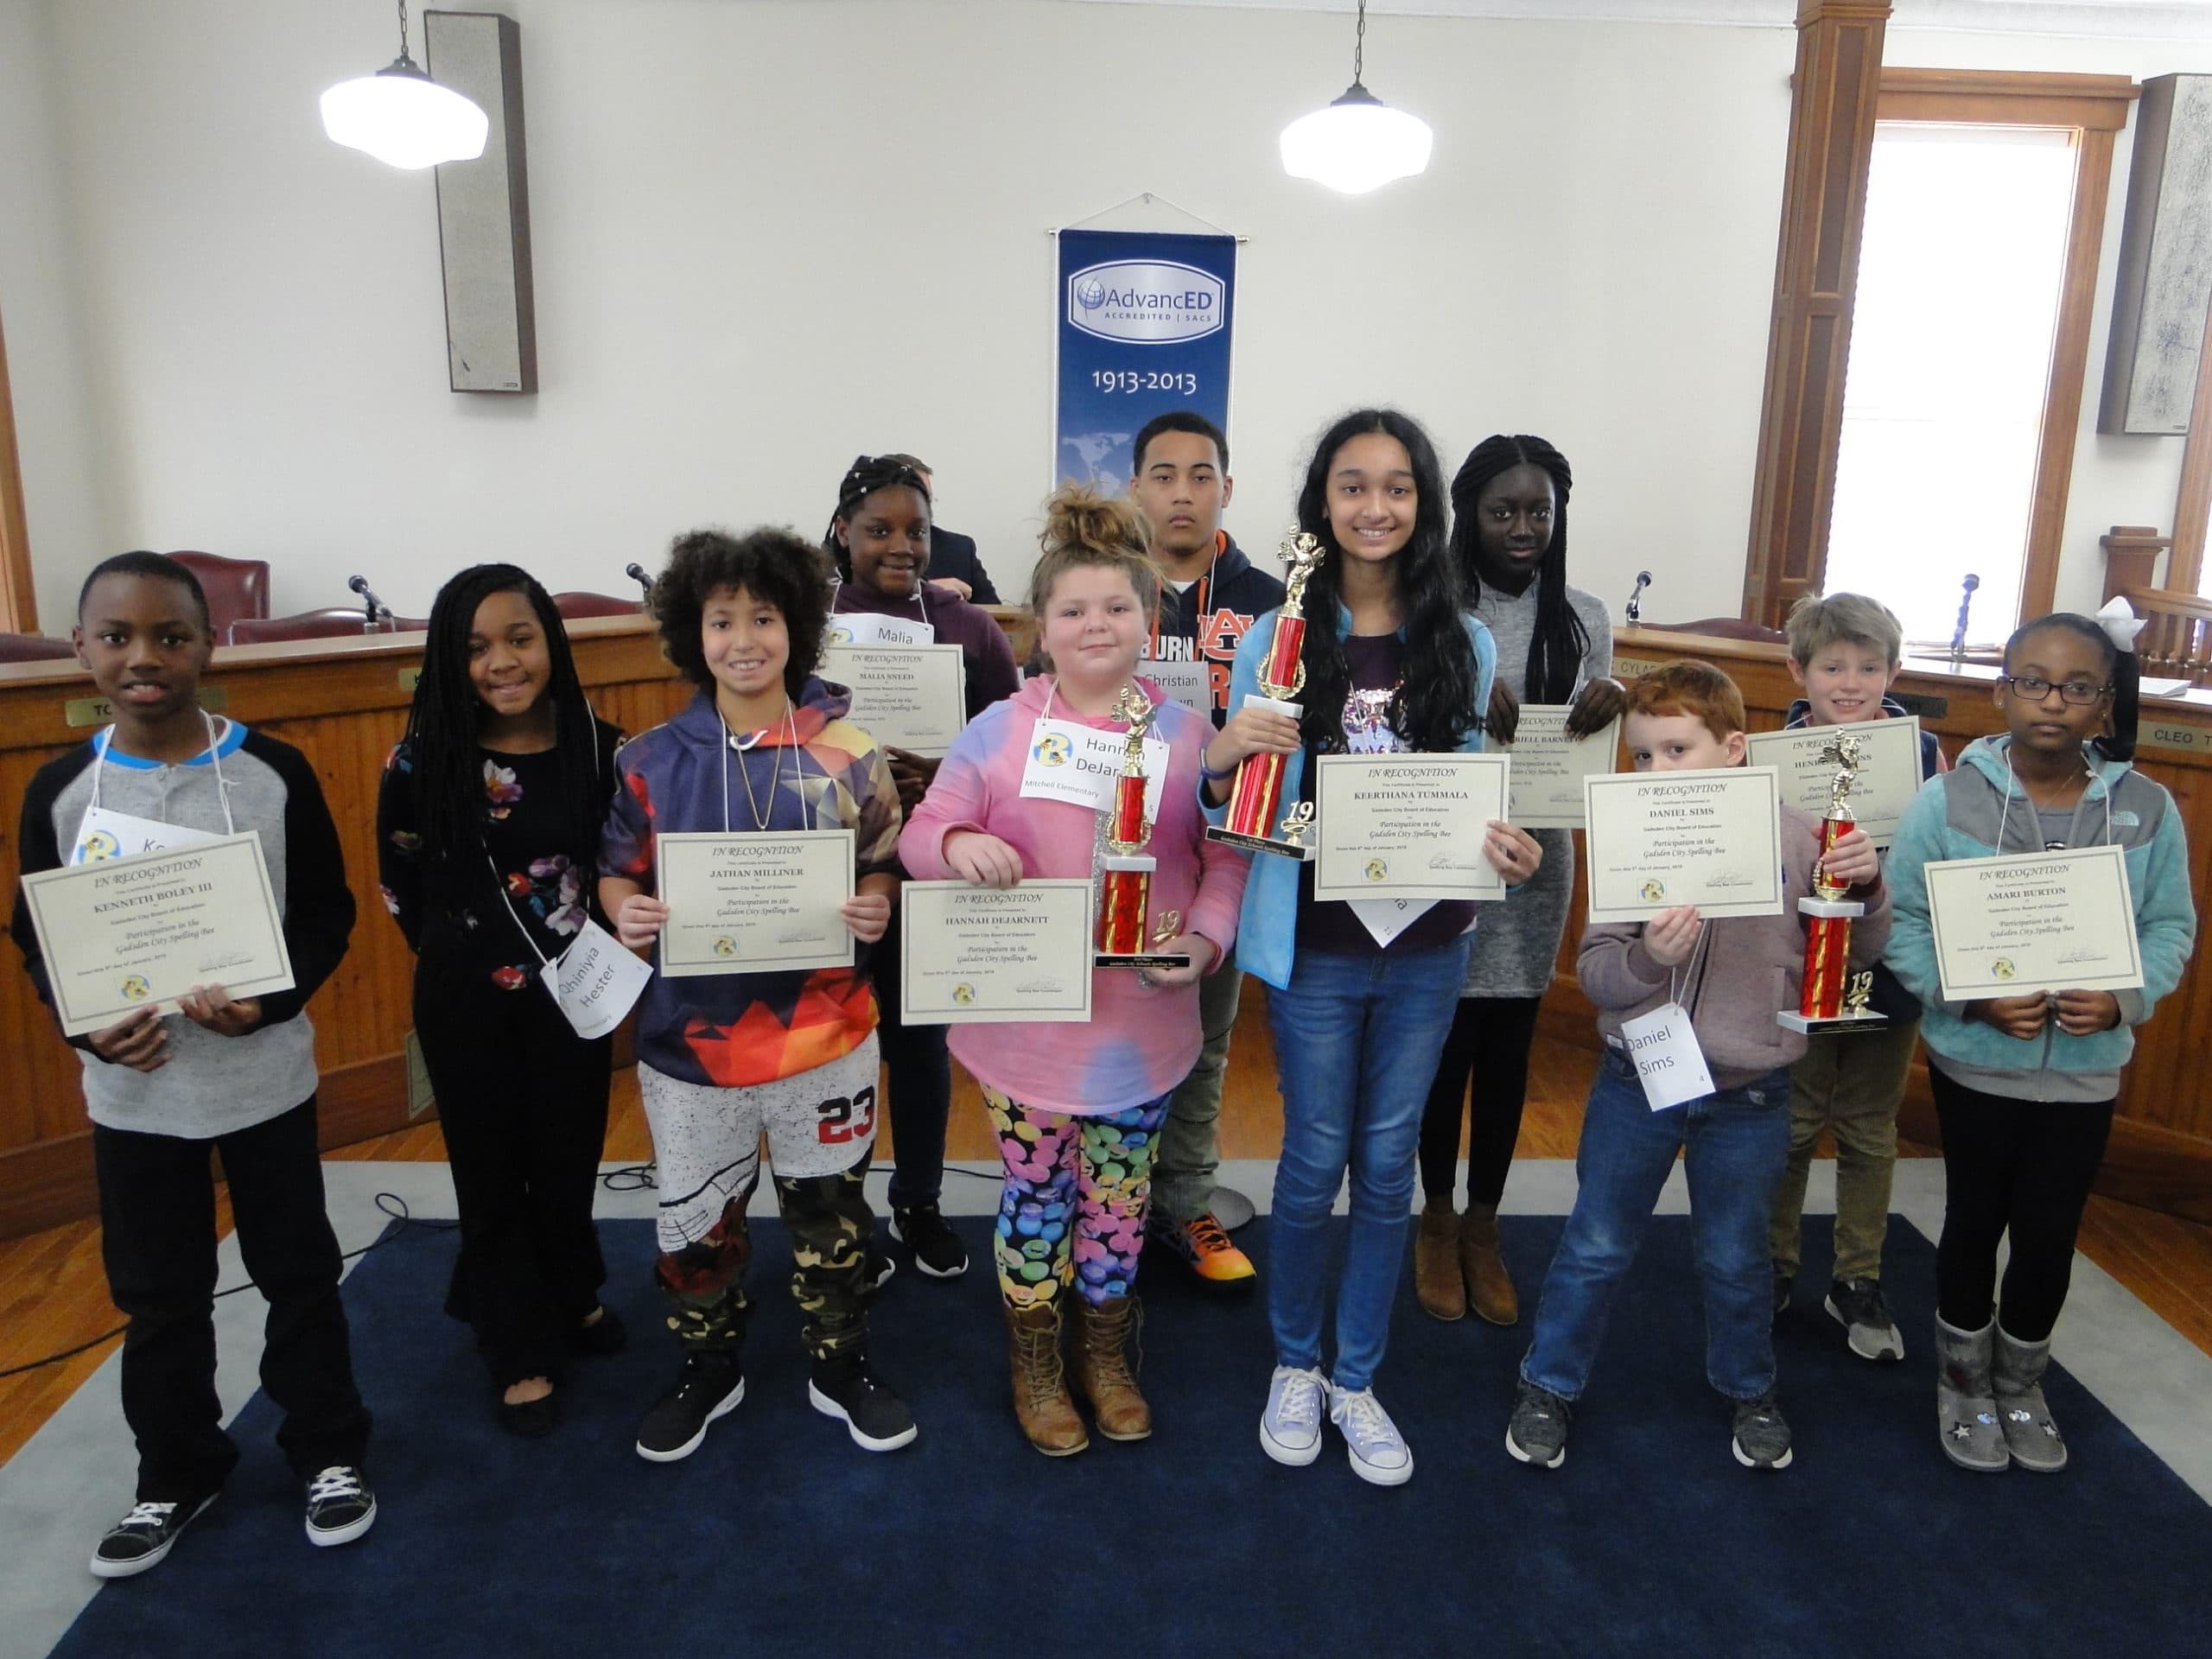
780 1537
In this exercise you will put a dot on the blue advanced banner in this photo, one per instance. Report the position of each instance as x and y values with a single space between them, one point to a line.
1144 328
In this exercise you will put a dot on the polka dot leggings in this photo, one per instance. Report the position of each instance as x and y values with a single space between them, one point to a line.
1072 1212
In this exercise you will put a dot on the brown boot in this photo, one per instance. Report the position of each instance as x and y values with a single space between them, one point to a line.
1437 1282
1041 1404
1103 1336
1490 1287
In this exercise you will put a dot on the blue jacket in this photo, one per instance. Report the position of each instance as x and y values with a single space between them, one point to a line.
1267 931
1977 811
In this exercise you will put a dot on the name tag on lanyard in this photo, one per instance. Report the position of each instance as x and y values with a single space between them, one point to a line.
1668 1061
595 981
865 628
1188 684
1080 765
103 834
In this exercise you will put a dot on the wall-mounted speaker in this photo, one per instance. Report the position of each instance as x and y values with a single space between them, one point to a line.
483 208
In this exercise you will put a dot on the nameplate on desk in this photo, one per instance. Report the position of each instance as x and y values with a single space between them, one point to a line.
1627 668
2172 734
98 711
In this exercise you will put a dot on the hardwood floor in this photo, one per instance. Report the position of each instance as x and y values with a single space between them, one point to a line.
52 1295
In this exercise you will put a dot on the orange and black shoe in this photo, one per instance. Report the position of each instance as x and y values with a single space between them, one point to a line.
1204 1247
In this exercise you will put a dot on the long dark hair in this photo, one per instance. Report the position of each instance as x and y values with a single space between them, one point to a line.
2120 668
446 714
868 475
1560 642
1435 703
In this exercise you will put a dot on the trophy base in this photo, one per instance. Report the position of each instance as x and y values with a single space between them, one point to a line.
1812 1024
1297 849
1141 959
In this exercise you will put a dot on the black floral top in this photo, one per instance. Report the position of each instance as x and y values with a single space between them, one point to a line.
526 822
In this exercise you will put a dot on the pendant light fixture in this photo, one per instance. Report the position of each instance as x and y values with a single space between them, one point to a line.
402 117
1358 143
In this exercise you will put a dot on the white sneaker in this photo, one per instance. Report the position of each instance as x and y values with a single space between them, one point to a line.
1379 1452
1290 1428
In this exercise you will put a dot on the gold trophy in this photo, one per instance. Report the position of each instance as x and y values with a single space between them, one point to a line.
1831 997
1125 870
1257 791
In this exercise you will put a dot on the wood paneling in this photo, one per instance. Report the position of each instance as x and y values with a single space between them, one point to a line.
18 595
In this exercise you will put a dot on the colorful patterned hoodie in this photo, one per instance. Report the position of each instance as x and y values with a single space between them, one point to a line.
739 1029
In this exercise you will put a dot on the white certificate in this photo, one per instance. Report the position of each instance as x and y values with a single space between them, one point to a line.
1887 780
910 698
1549 766
969 953
764 902
2033 922
123 934
1657 839
1406 826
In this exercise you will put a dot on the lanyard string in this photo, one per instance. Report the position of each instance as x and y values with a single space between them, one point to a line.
1689 968
2004 810
837 585
215 757
775 778
499 883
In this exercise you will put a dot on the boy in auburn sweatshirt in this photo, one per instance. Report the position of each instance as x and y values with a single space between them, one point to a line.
1731 975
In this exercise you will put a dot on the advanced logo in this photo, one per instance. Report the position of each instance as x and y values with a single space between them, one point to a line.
1146 302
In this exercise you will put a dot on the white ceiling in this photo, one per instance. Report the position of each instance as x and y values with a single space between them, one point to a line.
2179 20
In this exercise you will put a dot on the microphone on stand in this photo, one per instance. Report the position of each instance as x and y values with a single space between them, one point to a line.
374 612
1635 597
1959 633
636 572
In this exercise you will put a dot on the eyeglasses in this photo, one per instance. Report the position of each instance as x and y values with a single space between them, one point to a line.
2035 688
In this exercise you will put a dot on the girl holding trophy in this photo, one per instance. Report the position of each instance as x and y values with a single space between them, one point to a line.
1038 786
1371 641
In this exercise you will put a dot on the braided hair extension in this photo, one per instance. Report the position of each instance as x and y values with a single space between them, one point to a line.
1560 642
1434 702
2121 667
447 715
868 475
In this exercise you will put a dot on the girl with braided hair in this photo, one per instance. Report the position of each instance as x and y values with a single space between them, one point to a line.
1508 540
878 538
487 843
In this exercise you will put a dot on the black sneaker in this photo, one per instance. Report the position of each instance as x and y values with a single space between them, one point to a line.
937 1249
1783 1284
877 1418
1762 1434
710 1386
340 1506
1537 1431
142 1537
1860 1307
605 1336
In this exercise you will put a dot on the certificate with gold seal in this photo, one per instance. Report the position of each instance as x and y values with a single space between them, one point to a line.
998 954
910 698
2033 922
754 903
123 934
1406 826
1654 840
1883 785
1548 766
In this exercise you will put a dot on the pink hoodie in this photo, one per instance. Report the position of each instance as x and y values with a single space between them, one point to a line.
1140 1044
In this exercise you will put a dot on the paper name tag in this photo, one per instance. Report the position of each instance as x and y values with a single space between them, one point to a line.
1667 1060
595 981
1188 684
102 834
1385 919
1080 766
865 628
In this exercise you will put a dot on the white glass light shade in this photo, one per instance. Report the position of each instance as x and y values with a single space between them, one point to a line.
404 119
1355 145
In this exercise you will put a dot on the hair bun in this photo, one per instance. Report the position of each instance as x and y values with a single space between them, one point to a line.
1077 516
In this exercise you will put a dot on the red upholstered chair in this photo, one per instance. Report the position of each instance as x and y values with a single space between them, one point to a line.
1725 627
574 604
235 587
341 623
34 648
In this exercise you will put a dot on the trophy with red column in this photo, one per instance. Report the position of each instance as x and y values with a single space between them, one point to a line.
1832 998
1124 868
1256 794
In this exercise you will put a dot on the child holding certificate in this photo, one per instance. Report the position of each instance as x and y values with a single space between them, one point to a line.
1555 645
1845 651
764 747
487 847
880 537
1361 998
1077 1109
1724 979
2025 1086
238 1075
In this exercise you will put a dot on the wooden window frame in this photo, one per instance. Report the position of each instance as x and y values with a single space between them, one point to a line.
18 596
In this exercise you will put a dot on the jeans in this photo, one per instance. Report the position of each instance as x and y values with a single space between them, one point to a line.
1357 1039
1190 1146
1733 1145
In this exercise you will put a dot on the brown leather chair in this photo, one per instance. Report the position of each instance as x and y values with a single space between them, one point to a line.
235 587
1724 628
572 604
34 648
340 623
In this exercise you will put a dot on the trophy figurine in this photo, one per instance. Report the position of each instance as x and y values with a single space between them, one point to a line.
1124 868
1256 794
1832 998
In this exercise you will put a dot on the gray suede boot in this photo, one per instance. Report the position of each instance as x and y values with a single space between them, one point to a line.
1965 1406
2030 1435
